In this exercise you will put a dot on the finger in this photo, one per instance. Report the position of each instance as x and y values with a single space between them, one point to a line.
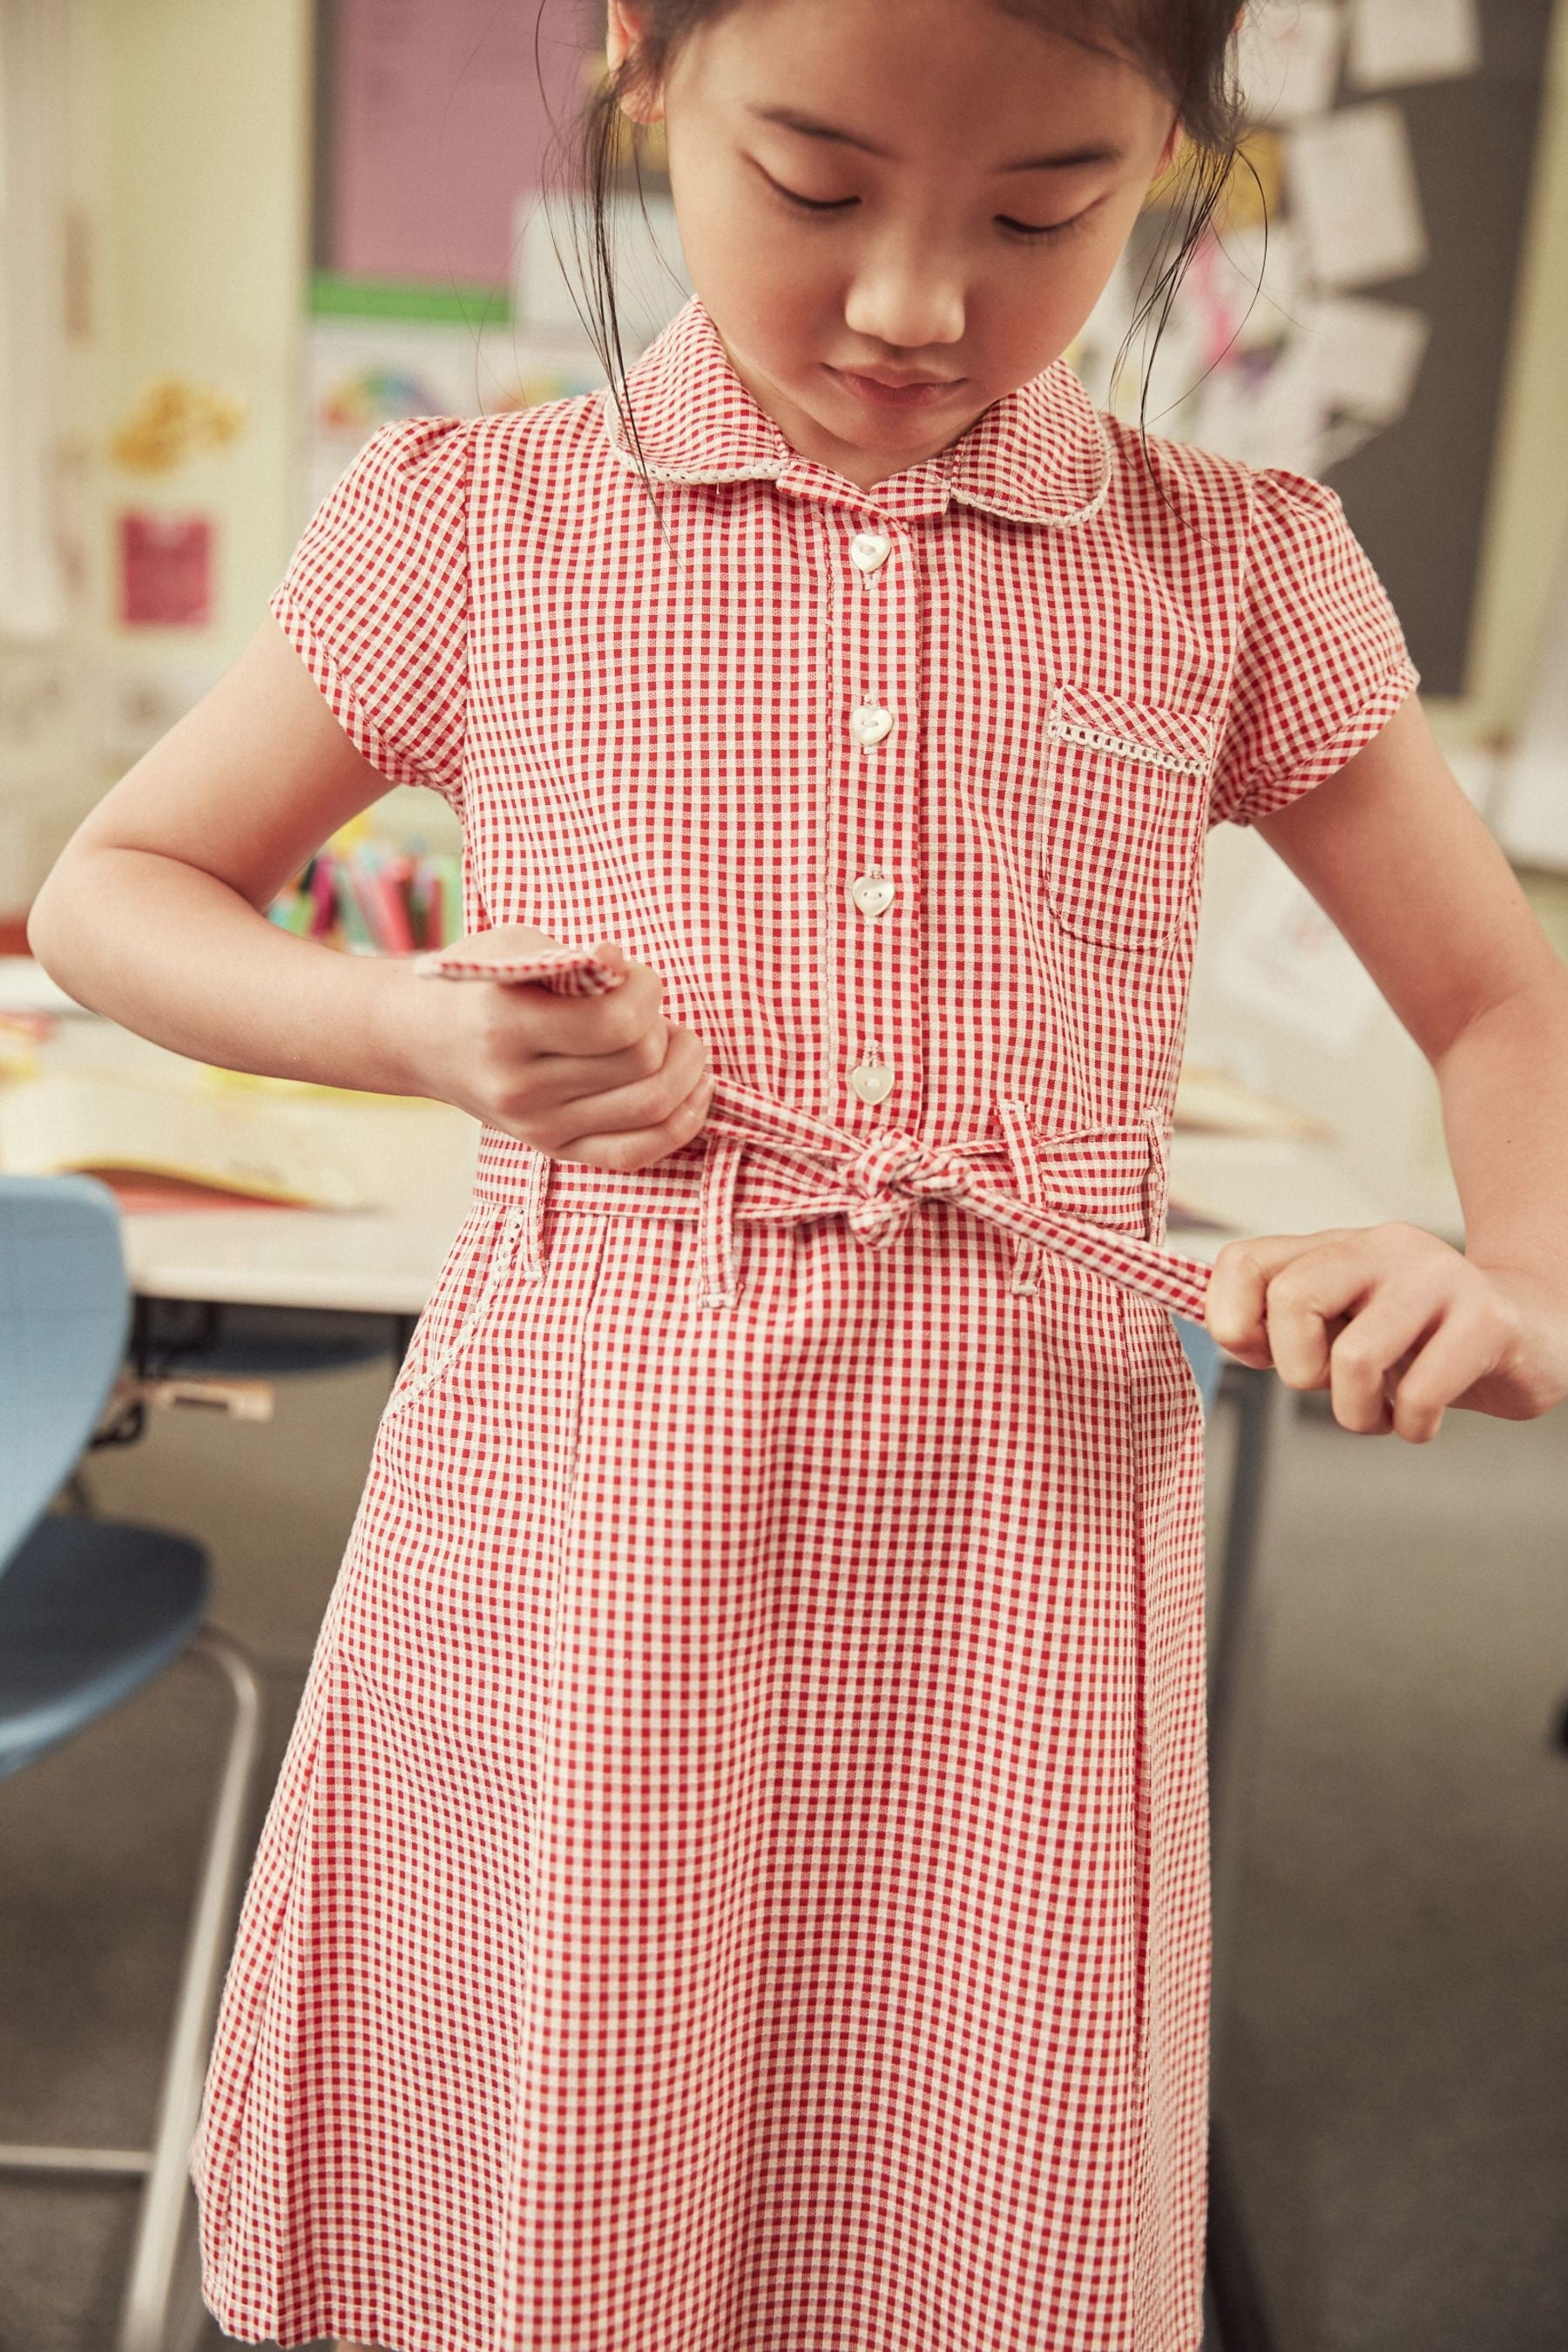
1233 1310
1306 1305
627 1109
535 1021
1375 1343
641 1147
1462 1350
549 1081
595 1025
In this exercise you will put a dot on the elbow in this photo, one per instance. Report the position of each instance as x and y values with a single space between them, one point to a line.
38 929
49 922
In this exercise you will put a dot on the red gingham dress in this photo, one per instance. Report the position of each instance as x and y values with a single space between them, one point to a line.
738 1880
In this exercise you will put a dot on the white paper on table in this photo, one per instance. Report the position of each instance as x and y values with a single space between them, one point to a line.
1287 60
27 987
1355 191
1365 353
1395 43
1283 960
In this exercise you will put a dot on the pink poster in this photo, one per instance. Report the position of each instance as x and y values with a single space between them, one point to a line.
165 571
438 122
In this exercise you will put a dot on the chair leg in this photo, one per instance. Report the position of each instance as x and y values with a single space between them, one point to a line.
144 2312
78 1494
1235 2289
1236 2305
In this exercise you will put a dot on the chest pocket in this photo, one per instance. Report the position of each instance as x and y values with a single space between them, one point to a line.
1123 815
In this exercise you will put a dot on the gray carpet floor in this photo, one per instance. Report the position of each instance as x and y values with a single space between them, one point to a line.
1392 2060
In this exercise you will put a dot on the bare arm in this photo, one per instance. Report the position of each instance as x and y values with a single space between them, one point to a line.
1391 1319
152 913
1402 864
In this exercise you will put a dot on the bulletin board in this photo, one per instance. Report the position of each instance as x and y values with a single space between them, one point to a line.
1419 494
431 117
1382 313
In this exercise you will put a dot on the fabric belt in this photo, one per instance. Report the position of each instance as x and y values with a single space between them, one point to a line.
1066 1193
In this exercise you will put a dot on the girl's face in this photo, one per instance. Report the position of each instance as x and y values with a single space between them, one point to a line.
1009 167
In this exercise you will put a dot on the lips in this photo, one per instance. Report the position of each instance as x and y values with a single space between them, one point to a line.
898 382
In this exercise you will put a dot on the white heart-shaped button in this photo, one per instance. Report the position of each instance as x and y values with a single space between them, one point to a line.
868 549
872 1081
869 724
872 893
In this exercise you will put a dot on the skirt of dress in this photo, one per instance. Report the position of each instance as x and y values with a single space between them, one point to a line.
739 1877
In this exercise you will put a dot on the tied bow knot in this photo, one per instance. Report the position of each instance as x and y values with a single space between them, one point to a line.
889 1176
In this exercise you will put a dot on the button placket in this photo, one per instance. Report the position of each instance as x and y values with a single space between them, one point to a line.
878 841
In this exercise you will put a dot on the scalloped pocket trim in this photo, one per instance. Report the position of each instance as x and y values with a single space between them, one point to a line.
504 1252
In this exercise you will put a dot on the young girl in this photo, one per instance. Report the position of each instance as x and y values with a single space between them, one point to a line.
739 1875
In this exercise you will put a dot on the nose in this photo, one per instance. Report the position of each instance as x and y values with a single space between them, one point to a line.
906 303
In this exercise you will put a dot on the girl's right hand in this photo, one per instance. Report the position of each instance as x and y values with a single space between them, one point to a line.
605 1080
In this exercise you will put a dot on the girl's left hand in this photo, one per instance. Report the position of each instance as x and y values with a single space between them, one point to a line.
1395 1323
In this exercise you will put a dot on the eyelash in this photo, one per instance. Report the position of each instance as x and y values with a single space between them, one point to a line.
1016 229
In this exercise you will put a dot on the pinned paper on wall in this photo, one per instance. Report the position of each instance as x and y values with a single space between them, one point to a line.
1269 357
1364 355
1395 44
438 115
1287 60
1284 959
1279 419
1353 183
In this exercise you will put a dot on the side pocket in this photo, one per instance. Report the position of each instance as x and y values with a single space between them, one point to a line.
482 1255
1123 815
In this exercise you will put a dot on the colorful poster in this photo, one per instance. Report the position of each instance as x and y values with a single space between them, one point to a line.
365 372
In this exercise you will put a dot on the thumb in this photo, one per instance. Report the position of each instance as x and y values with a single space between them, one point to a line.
501 944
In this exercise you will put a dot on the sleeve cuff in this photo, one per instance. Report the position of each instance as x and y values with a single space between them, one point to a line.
343 701
1275 789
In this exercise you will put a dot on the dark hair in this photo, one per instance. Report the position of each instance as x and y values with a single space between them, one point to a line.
1186 46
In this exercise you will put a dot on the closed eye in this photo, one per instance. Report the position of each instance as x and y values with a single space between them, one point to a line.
842 204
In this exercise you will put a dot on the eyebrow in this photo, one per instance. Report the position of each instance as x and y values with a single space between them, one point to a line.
1067 160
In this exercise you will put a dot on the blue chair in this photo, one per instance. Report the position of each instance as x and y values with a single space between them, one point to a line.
91 1610
1205 1355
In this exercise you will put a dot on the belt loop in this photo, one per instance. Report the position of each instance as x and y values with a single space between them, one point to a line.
1014 1119
1157 1178
535 1186
718 1257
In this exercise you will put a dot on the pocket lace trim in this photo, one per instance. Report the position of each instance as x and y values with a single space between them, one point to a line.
1100 738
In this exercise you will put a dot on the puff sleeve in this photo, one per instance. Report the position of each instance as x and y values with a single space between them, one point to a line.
375 601
1322 664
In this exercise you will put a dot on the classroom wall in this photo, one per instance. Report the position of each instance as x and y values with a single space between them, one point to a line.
189 188
206 135
1529 514
183 240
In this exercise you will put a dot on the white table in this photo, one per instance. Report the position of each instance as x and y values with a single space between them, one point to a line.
415 1160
